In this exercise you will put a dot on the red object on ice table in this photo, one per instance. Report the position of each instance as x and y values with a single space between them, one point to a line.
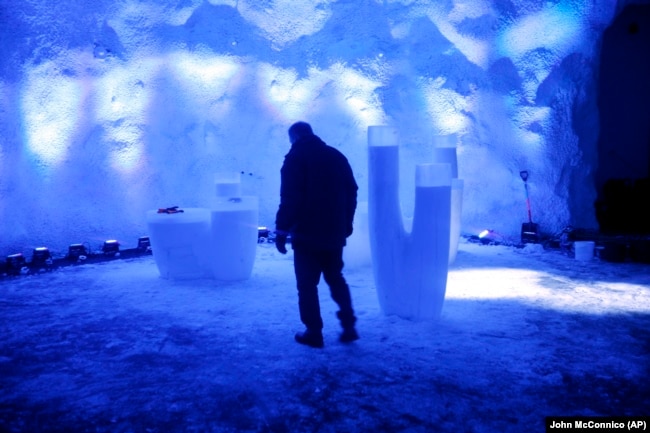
170 210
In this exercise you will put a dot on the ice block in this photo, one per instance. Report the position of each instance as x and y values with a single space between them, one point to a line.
410 267
178 242
356 253
457 186
233 237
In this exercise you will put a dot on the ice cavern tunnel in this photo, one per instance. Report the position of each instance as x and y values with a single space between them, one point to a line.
110 109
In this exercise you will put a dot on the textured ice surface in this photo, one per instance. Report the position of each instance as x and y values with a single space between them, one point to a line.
178 242
113 347
233 238
456 217
356 254
117 108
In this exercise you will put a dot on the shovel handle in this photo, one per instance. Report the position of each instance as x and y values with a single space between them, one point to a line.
530 218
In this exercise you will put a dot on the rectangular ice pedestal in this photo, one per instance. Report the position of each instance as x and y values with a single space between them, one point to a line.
179 242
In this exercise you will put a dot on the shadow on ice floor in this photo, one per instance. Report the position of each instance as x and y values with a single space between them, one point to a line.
112 347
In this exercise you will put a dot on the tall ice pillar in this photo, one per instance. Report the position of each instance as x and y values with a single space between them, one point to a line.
410 269
445 152
456 213
234 228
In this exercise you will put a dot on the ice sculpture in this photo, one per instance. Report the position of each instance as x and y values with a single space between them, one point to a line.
410 268
227 184
233 234
218 242
456 213
178 242
356 254
445 152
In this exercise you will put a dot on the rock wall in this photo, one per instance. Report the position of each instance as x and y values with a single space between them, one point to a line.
111 108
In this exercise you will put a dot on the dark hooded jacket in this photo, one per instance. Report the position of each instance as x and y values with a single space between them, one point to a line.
318 195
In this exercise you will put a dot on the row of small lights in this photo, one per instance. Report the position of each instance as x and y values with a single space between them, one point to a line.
42 259
16 264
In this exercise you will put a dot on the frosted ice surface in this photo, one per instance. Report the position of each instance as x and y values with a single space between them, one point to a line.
178 242
446 155
228 189
456 217
227 184
233 238
356 254
410 269
111 103
219 242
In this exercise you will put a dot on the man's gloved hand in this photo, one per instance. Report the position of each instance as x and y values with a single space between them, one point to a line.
281 241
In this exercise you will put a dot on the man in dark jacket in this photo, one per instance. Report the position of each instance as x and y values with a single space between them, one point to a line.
318 197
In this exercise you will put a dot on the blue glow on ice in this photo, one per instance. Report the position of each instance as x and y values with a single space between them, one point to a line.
203 74
286 95
121 104
50 106
556 28
148 116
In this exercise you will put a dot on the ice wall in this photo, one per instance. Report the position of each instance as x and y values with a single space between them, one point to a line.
111 108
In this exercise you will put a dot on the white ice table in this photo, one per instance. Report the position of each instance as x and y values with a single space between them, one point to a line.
178 242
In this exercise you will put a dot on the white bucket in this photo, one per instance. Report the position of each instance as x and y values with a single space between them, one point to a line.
584 250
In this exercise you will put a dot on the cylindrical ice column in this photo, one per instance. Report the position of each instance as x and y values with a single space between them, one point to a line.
356 253
427 260
447 155
410 269
234 228
385 226
227 184
178 242
233 239
456 213
445 152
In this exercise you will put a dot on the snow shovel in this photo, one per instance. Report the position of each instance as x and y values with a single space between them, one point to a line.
529 230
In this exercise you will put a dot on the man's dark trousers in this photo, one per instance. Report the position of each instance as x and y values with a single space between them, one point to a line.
309 264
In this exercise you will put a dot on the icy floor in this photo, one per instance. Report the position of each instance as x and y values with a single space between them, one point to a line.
525 334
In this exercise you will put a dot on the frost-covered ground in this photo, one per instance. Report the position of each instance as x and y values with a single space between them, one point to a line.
524 334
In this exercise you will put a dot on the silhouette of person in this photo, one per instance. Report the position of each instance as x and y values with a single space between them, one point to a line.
318 198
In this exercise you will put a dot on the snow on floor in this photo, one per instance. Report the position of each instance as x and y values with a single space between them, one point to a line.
524 334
